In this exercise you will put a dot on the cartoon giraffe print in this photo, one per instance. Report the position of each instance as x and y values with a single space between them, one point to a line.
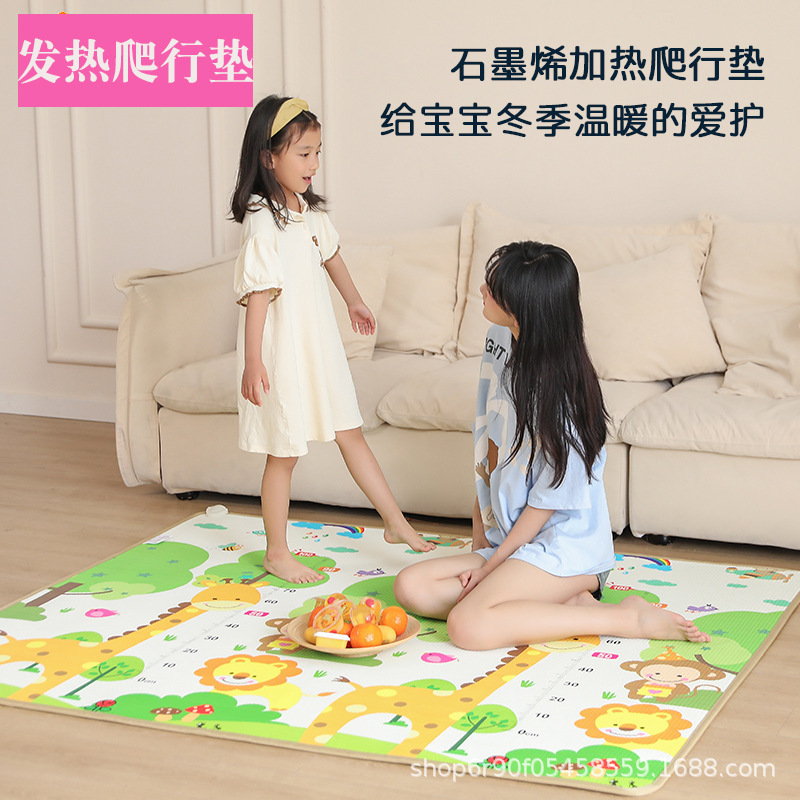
429 711
63 659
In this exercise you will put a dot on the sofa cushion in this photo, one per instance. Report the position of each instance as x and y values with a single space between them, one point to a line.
621 397
645 320
201 387
693 416
754 269
368 266
210 386
762 349
752 266
591 247
418 308
445 398
442 399
373 379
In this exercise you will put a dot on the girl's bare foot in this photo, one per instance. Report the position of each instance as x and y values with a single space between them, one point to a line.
288 568
403 533
658 623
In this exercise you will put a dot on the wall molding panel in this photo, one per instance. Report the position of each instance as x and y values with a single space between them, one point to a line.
78 182
69 340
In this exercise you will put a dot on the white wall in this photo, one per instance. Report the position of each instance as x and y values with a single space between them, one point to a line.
90 193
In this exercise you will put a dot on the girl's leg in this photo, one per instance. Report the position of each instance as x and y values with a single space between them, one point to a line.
366 472
431 587
275 486
518 603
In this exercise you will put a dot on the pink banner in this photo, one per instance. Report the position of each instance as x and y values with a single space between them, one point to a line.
84 60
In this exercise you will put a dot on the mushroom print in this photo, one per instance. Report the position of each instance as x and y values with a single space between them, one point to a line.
193 712
165 713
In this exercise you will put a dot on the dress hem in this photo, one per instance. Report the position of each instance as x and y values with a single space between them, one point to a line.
258 448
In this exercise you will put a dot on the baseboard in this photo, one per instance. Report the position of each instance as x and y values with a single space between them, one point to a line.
34 405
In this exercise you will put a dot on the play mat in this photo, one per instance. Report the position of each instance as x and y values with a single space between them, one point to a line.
183 631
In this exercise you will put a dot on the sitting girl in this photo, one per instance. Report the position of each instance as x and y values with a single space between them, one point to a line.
542 541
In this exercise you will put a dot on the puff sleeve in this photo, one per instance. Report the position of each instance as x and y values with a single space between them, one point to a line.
258 268
327 235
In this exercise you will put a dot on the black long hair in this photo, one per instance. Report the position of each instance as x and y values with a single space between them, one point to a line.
254 176
549 375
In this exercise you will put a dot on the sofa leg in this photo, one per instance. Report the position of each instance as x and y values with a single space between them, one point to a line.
657 538
187 495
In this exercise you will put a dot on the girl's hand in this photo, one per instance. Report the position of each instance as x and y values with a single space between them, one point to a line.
361 319
254 379
469 580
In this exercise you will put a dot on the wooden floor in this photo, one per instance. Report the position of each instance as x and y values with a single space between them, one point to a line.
63 506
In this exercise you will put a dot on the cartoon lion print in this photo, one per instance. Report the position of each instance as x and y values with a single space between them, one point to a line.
633 726
263 675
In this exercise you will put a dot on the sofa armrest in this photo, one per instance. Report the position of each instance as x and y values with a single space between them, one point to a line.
169 319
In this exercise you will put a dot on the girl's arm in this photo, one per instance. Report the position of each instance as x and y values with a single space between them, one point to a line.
255 377
479 539
525 530
360 316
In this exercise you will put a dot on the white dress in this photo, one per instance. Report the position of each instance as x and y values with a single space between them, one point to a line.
311 391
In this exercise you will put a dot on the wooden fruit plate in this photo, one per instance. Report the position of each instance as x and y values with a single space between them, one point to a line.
296 629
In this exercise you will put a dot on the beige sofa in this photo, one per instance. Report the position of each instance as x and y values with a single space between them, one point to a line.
694 328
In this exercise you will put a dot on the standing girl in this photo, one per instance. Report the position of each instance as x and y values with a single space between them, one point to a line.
542 542
296 385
